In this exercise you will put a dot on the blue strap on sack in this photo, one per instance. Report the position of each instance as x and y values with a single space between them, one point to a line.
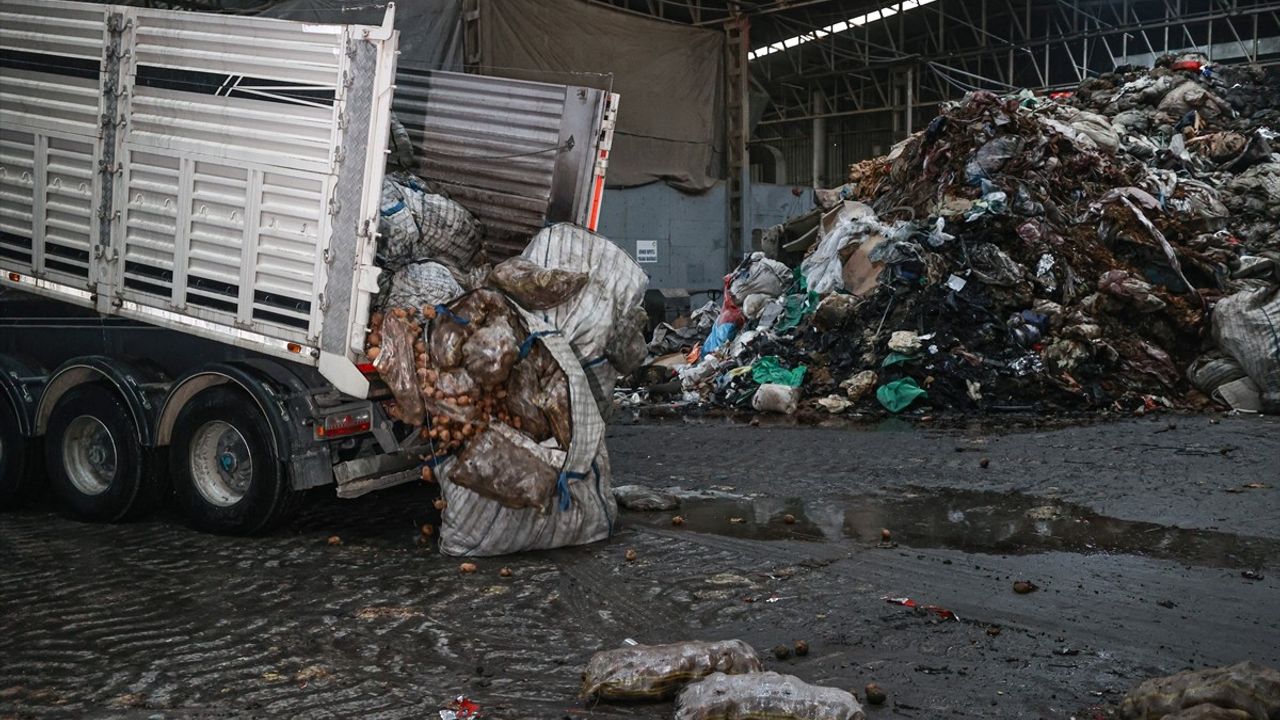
526 347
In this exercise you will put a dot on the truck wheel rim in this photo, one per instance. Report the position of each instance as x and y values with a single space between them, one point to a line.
89 455
221 464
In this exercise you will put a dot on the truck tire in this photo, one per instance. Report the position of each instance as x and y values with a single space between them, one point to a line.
96 466
19 471
226 475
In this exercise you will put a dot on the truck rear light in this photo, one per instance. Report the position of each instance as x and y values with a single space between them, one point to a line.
367 369
335 426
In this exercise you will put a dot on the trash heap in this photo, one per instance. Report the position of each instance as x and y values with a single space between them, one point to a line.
502 376
1117 249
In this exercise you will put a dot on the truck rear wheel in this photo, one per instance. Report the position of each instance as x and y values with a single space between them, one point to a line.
96 466
226 474
18 472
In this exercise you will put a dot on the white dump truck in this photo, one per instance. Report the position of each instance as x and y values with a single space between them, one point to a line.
189 207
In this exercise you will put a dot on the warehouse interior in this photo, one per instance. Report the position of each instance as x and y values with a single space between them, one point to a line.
819 85
693 359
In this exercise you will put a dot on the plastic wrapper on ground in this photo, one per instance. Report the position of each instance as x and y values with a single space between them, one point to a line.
659 672
764 695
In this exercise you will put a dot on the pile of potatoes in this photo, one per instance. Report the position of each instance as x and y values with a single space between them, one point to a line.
456 371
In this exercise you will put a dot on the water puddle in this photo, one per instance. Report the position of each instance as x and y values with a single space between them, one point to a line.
971 521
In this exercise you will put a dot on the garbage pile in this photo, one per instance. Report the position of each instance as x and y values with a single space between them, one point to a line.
1117 249
503 376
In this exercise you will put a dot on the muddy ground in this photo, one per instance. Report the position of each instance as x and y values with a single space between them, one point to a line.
1145 537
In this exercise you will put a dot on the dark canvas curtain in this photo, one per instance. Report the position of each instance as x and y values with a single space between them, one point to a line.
669 76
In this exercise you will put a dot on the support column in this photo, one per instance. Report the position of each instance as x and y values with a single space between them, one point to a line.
819 139
737 129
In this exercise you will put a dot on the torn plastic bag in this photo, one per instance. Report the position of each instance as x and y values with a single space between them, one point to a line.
759 274
772 397
720 334
396 367
589 319
505 465
659 672
534 287
849 223
421 284
416 225
898 395
1246 326
584 509
992 156
764 695
1248 687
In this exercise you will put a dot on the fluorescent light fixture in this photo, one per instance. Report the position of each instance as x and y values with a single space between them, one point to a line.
842 26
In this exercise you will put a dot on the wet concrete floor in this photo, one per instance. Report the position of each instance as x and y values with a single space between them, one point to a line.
1153 548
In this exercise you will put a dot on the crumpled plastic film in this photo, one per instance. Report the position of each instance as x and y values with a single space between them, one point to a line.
395 364
764 695
659 672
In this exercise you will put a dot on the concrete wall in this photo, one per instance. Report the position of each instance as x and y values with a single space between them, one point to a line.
688 231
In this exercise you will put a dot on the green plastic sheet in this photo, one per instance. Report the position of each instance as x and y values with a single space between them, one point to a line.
896 396
769 369
895 358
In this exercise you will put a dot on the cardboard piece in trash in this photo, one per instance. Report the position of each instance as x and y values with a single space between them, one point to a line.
860 274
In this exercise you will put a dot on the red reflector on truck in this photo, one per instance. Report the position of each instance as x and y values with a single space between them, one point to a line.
367 368
344 425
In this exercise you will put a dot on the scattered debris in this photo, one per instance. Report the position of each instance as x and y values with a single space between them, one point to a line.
801 648
334 540
505 572
467 568
630 555
782 652
874 694
460 708
678 520
938 610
